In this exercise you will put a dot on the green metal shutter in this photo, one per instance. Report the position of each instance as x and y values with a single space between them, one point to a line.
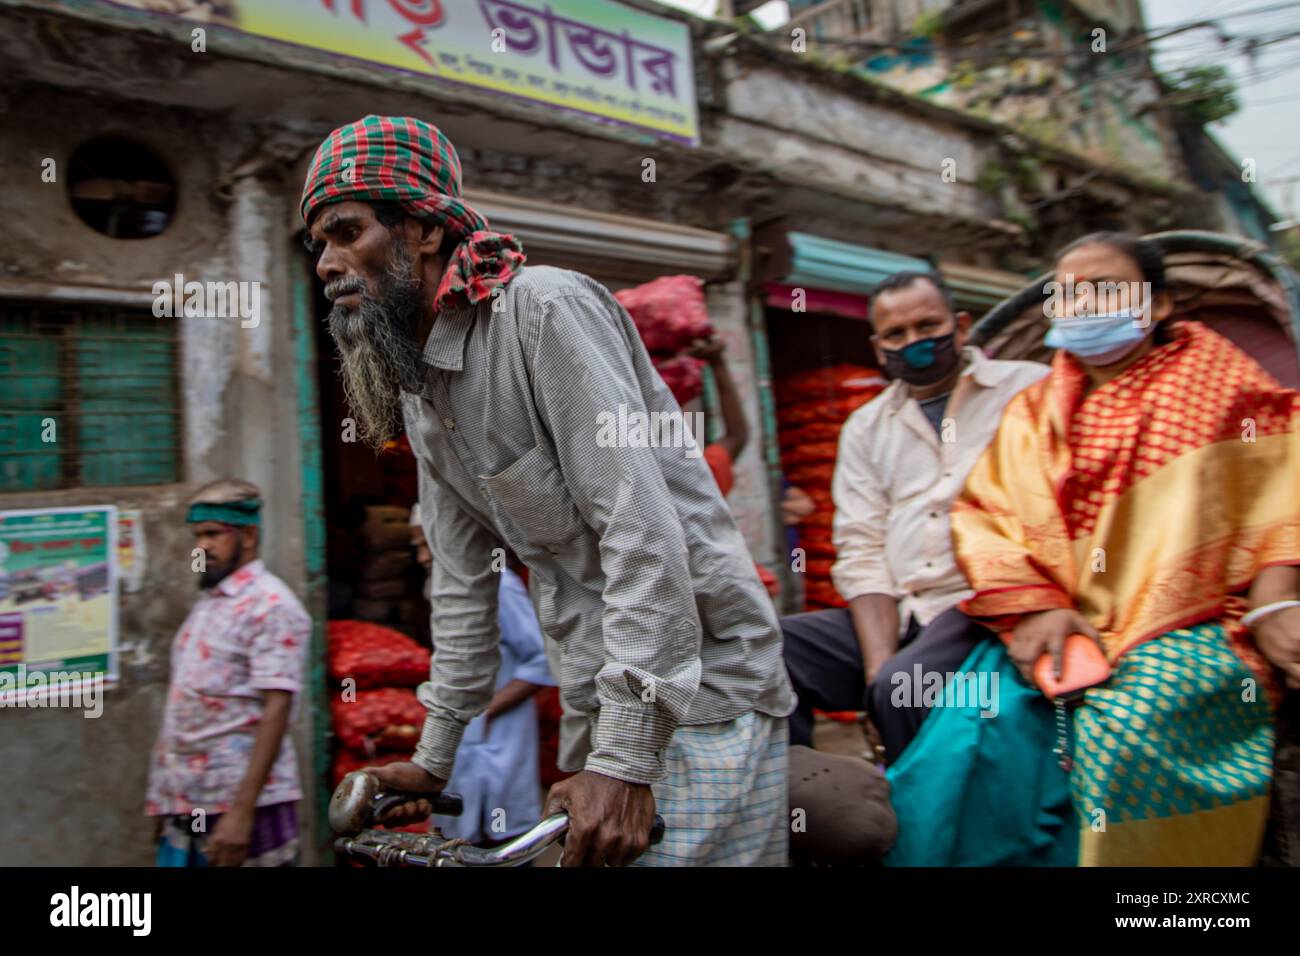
127 429
106 377
29 393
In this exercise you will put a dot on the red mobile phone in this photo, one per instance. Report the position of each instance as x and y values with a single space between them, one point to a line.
1084 665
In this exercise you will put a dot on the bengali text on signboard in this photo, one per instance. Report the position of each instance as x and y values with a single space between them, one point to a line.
597 57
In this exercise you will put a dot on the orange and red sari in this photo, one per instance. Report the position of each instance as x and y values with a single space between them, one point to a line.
1150 504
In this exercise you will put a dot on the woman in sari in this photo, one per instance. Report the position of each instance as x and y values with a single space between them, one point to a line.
1146 493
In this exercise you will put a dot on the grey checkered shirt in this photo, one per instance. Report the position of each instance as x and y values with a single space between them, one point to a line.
638 572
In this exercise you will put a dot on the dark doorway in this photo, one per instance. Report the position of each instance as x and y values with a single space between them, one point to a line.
370 564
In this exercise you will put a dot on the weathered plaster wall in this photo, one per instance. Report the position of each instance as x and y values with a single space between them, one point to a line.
81 782
1092 97
750 499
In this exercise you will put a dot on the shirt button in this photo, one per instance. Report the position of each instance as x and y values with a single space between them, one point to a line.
450 423
934 514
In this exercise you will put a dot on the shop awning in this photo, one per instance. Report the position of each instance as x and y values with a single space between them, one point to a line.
978 290
806 261
799 299
615 249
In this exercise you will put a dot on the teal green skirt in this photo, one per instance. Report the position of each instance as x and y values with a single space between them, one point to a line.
975 790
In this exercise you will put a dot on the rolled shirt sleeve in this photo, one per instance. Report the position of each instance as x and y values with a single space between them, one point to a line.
861 521
584 364
466 634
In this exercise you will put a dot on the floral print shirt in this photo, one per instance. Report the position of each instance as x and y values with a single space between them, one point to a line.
246 635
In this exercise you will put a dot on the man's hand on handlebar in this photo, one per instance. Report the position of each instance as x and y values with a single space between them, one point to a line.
609 819
407 778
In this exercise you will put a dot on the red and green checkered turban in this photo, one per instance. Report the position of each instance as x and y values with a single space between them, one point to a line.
408 161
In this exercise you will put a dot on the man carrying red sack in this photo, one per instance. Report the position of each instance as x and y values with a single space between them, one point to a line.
721 455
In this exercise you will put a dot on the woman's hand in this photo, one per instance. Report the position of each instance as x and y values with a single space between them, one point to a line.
1045 633
1277 636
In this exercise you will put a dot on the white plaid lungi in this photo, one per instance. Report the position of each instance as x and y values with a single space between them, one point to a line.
725 800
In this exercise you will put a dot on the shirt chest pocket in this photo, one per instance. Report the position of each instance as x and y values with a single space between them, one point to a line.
533 495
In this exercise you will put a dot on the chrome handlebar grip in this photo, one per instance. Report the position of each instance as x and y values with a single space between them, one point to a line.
523 848
393 848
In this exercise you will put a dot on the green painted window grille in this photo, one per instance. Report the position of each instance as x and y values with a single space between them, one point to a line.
105 379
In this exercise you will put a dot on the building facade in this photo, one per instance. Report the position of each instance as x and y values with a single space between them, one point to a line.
173 163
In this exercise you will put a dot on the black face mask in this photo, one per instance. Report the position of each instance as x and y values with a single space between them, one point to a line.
924 362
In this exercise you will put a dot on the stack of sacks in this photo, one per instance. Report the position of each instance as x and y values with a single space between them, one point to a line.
385 560
811 408
670 313
549 713
383 723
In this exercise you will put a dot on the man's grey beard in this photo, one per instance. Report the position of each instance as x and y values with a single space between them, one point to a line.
376 342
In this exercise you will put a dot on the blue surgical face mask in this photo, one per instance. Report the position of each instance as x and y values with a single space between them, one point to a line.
1100 339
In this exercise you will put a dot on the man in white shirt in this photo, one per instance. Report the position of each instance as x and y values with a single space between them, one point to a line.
903 458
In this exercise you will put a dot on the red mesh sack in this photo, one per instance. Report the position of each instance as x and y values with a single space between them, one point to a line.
345 761
811 432
829 411
809 452
549 713
832 381
803 413
389 718
817 541
822 593
375 656
844 407
818 568
682 375
669 312
813 474
824 509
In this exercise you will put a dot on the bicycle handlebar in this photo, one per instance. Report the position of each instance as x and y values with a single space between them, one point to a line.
391 848
358 801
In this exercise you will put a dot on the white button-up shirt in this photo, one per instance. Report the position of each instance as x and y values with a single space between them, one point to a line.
896 479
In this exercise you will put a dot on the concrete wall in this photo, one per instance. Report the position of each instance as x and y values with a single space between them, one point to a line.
1097 106
76 786
750 499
